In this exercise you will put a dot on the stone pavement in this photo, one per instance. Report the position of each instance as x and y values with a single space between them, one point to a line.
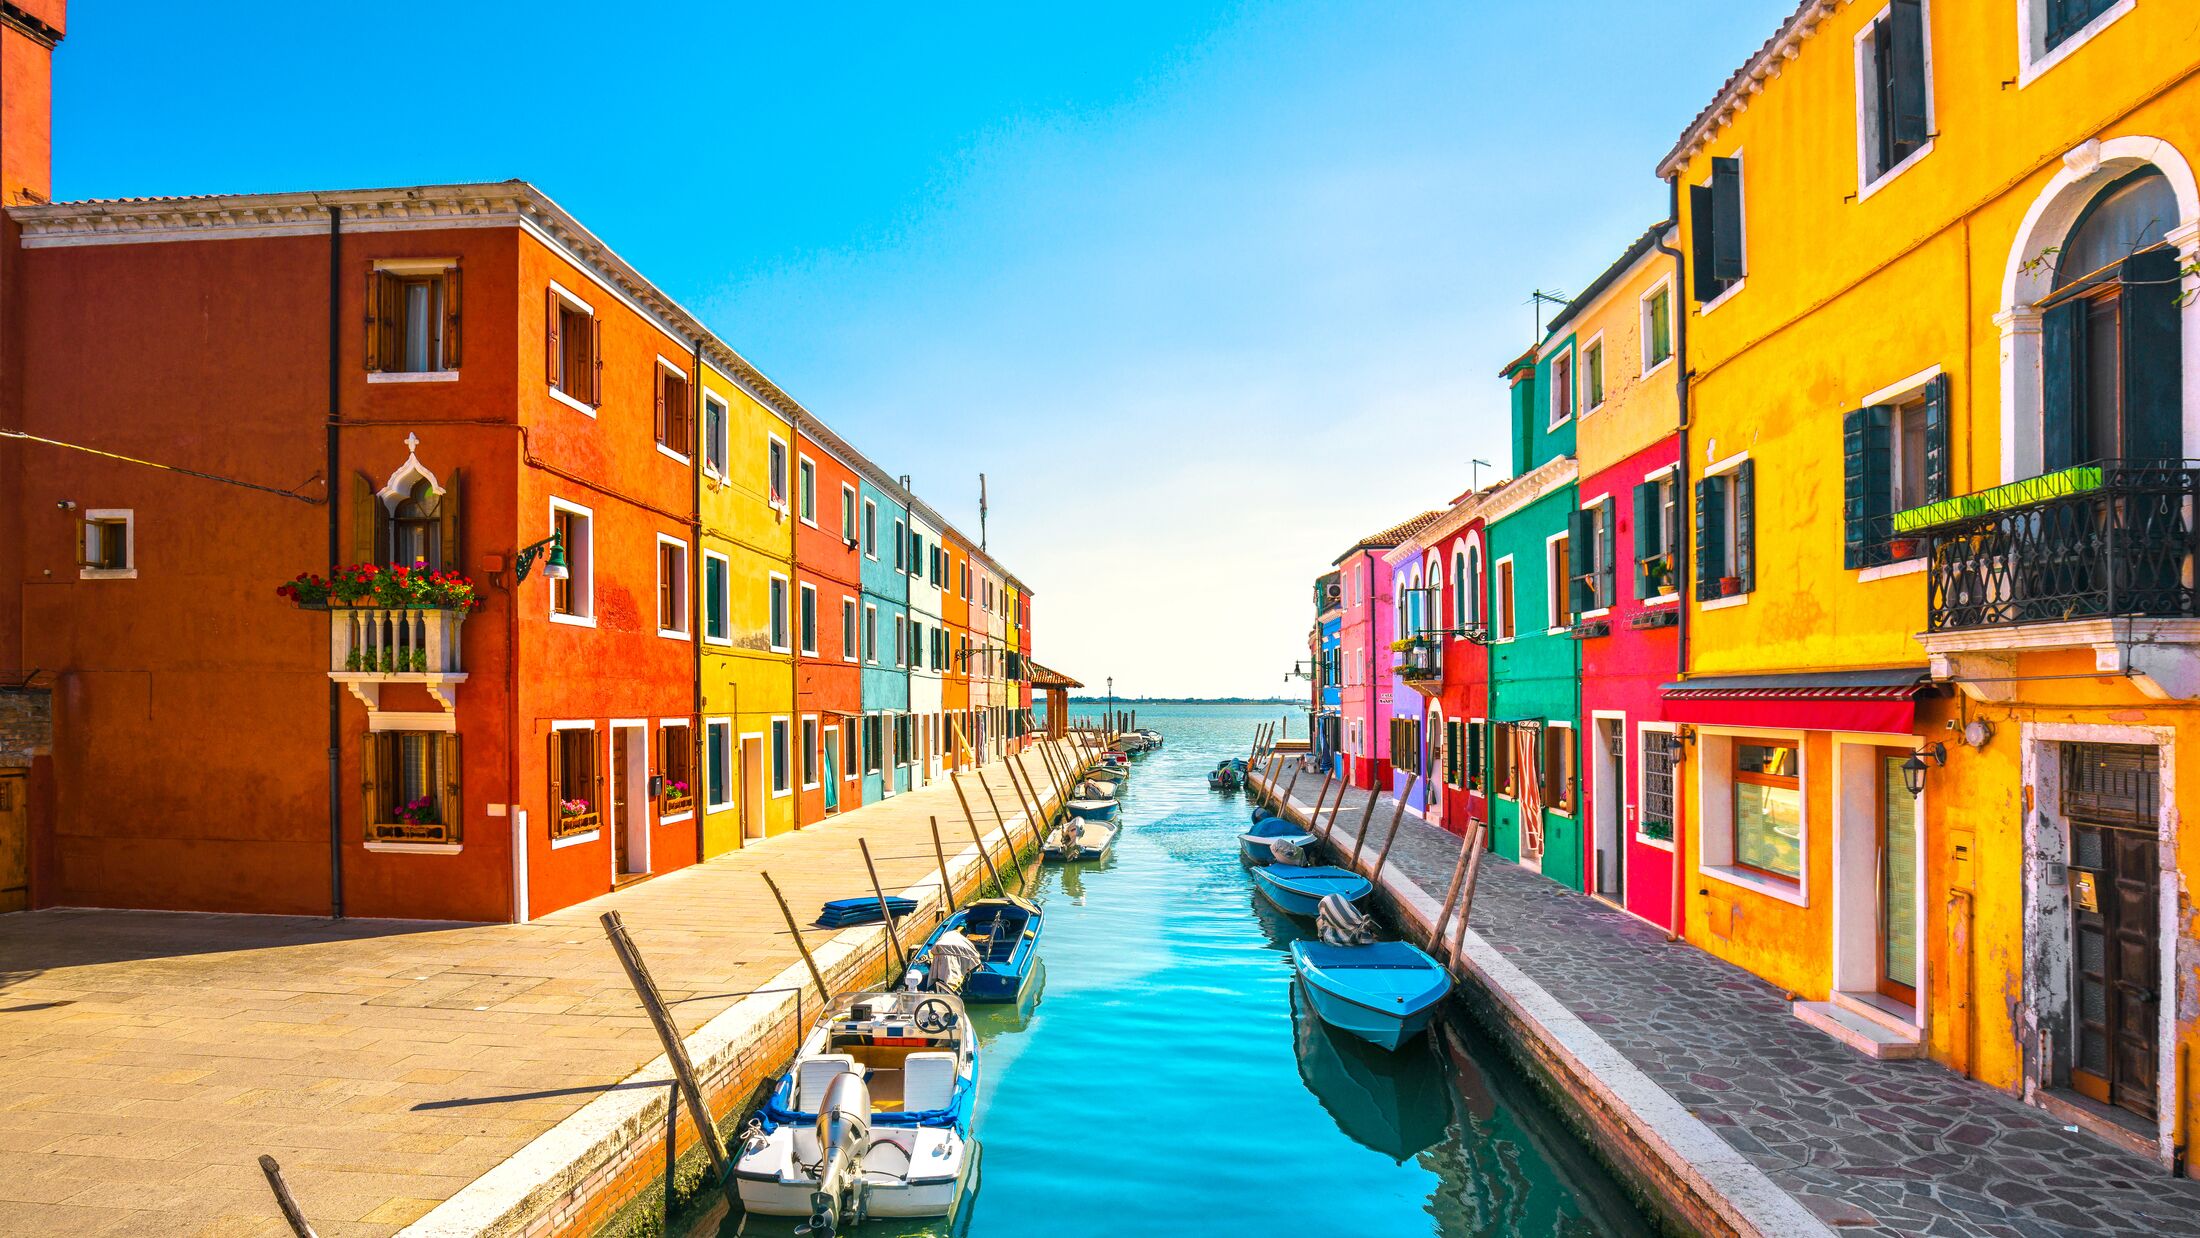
1873 1147
147 1059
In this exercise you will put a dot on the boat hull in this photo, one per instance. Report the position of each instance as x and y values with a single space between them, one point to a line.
1254 847
1093 810
787 1194
1298 891
1386 1015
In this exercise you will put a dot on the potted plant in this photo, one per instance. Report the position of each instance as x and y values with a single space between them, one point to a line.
419 812
1729 586
572 808
1900 548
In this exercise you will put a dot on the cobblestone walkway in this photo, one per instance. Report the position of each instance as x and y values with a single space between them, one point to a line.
1872 1147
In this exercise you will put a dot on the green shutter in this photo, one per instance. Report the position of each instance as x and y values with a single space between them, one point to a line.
2062 372
1580 560
1608 556
2153 372
1937 485
1710 536
1867 484
1745 525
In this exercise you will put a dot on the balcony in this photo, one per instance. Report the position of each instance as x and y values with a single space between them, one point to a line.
2098 557
374 645
1421 663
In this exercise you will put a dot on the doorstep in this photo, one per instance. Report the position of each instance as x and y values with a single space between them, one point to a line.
1872 1035
2119 1127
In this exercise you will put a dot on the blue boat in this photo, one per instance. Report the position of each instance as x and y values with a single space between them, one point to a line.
1384 993
1006 933
1253 844
1298 889
1094 810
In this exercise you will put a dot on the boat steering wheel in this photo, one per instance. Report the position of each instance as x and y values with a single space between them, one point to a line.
933 1015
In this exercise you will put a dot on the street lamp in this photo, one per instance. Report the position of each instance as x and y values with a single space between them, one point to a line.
1913 769
553 570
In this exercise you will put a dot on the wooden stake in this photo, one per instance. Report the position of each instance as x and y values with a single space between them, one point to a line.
1314 819
886 912
975 834
799 944
1451 892
1388 839
1367 815
284 1200
947 881
1466 900
1288 788
668 1032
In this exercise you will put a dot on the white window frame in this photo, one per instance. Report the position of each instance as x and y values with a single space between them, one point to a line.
803 462
851 630
601 754
1867 106
1902 391
868 530
1555 419
778 491
580 567
725 601
683 608
901 640
2033 60
774 620
1714 820
851 517
1553 582
663 450
1504 573
723 445
806 641
443 373
566 295
815 750
1669 473
1720 469
1741 194
780 732
1594 343
870 634
129 568
662 725
1600 507
1642 327
711 791
1643 729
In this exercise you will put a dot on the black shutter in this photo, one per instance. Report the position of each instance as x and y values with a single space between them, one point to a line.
1745 525
1710 536
1580 560
1704 283
1906 78
2153 369
2062 374
1607 556
1867 484
1726 220
1937 486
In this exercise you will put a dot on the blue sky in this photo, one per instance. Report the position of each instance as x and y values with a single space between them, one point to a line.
1206 290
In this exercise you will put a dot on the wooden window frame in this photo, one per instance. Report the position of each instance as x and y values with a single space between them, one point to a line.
676 753
1738 778
566 829
387 316
95 528
578 589
676 412
672 589
377 756
567 348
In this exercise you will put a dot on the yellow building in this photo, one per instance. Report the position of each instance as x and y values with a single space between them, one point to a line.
1936 253
747 539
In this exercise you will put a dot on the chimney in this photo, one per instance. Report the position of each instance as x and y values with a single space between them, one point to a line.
29 29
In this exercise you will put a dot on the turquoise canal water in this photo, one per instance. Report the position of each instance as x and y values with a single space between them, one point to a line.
1164 1081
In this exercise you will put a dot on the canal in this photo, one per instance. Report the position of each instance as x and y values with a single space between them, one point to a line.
1163 1079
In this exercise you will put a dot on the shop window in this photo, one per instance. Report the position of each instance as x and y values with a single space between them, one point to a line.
1768 809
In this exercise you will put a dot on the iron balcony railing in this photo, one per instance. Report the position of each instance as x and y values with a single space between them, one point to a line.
1421 659
2110 539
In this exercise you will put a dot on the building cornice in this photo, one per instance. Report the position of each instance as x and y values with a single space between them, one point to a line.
1538 483
1748 81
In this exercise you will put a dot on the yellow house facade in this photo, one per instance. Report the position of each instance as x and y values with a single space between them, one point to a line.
747 545
1941 641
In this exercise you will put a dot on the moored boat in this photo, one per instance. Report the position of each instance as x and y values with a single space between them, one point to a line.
873 1119
1384 992
1299 888
1257 843
1004 934
1079 839
1094 810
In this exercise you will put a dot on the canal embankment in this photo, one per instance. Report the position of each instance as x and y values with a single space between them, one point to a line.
437 1078
1725 1113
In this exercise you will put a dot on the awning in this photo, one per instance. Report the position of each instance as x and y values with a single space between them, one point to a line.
1879 700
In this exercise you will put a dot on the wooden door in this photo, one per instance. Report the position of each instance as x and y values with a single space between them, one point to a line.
15 841
752 787
1896 881
619 809
2111 793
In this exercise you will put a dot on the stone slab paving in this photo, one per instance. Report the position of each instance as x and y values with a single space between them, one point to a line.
147 1059
1873 1147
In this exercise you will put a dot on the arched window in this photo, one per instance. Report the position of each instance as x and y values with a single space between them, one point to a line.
2111 342
1413 604
1474 584
1459 592
1433 609
416 528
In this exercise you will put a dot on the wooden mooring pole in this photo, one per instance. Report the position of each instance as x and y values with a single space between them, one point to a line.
885 911
668 1033
976 835
1451 892
824 993
1395 817
284 1199
947 880
1359 838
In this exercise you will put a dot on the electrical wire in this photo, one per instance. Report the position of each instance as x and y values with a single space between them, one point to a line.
171 468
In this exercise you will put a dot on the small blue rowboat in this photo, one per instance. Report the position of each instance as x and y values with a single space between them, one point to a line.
1094 810
1254 844
1384 993
1006 934
1298 889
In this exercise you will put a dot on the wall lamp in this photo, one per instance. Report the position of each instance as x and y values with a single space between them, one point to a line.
1913 769
553 570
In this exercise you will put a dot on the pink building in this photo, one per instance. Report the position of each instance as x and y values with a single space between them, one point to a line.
1365 636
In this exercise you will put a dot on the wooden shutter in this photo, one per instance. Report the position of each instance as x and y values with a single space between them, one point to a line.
1710 536
554 767
1906 77
551 344
374 320
594 367
664 383
1726 220
1937 470
370 782
2062 374
454 802
1704 283
1867 483
370 521
1745 524
2153 368
448 509
450 318
1608 556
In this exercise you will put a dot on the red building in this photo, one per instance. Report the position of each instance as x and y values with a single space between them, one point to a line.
1458 557
829 673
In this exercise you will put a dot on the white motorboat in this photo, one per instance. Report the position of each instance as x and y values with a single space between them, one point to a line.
873 1120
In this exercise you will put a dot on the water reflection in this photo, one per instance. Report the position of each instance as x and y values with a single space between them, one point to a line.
1394 1103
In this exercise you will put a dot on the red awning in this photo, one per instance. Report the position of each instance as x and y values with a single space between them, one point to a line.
1882 701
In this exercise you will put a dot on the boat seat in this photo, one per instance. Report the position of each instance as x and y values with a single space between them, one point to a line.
927 1082
812 1075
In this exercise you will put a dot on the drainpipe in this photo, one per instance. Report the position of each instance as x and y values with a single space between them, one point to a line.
696 445
1681 491
330 460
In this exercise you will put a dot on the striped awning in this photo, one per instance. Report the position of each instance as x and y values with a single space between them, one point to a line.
1875 699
